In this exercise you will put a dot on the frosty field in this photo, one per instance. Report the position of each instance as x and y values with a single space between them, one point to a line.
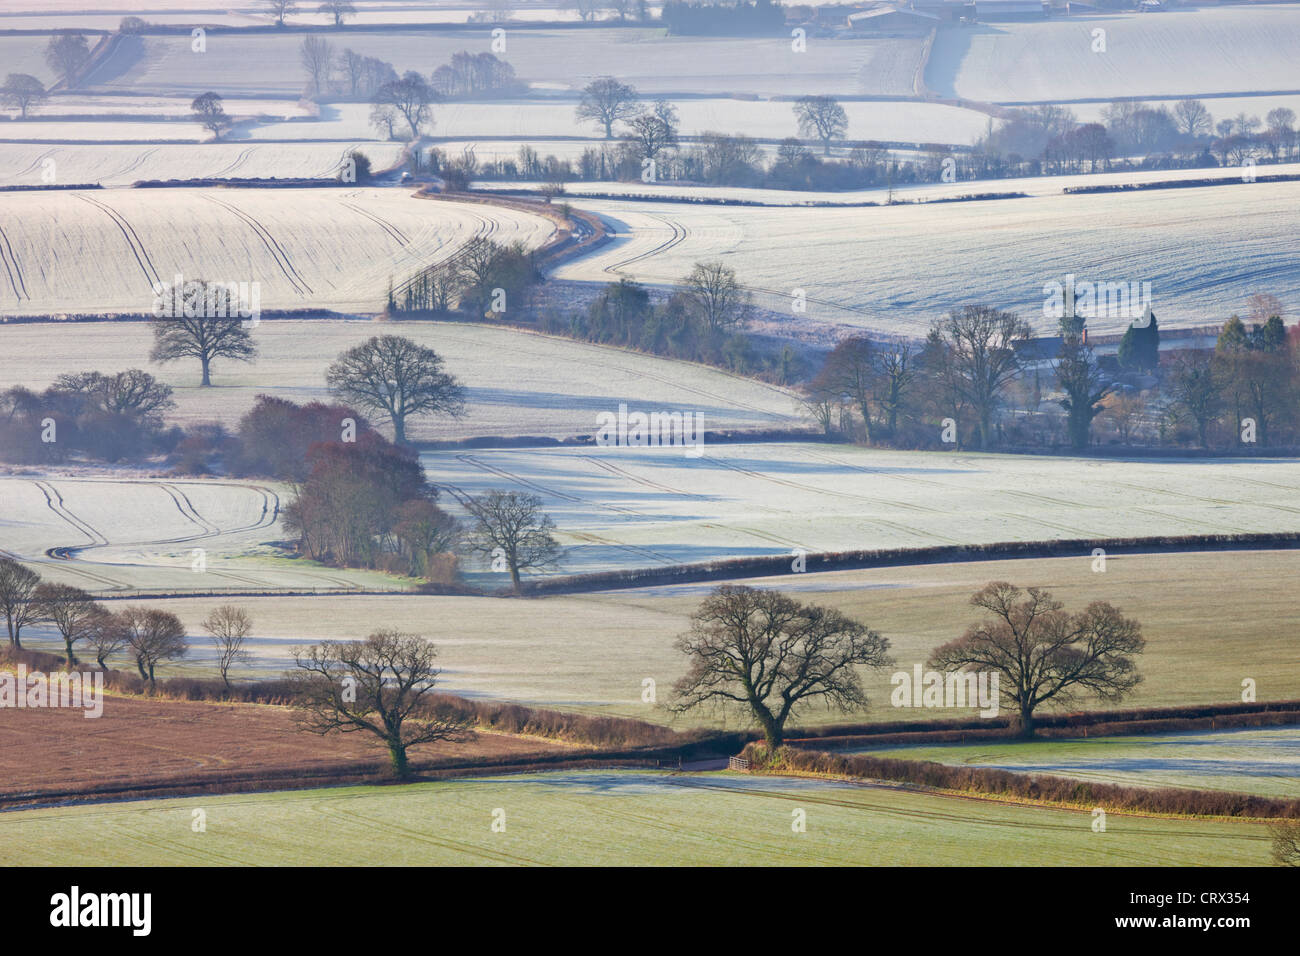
546 59
642 507
1264 762
518 383
896 269
122 164
102 252
592 652
612 818
1181 52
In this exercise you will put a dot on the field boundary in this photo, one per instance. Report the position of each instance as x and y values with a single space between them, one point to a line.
779 564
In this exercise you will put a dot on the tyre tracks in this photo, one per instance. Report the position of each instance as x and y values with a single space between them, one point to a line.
281 258
12 269
132 239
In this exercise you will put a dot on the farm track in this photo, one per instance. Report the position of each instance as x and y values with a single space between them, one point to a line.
282 260
12 269
132 239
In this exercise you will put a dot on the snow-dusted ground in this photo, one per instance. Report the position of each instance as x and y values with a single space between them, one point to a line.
547 59
897 268
921 192
1235 49
148 534
99 251
642 507
120 165
518 383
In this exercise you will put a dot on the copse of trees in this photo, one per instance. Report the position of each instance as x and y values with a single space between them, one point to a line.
692 18
152 637
483 277
66 54
107 417
276 434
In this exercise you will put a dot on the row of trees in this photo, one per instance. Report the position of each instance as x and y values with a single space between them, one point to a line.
1050 139
148 636
774 656
408 99
480 280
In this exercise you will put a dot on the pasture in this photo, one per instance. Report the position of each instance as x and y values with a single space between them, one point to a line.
612 818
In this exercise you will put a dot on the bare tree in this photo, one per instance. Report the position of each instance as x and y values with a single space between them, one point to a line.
338 9
317 57
380 685
1193 118
133 392
280 9
153 636
229 626
106 634
821 118
23 92
17 596
1084 384
210 113
202 337
410 96
586 9
606 101
68 608
393 375
652 131
980 343
774 655
1041 653
713 292
66 54
1196 390
850 371
383 117
511 528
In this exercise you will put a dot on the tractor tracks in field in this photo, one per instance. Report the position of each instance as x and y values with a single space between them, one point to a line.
132 239
13 270
281 258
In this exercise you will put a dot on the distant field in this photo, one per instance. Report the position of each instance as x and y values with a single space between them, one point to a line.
642 507
546 59
592 652
613 819
321 248
896 269
1264 762
111 164
517 383
1180 52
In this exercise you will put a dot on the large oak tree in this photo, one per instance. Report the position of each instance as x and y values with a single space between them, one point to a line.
392 375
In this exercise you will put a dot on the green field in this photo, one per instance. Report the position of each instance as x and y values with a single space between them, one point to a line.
1264 762
612 818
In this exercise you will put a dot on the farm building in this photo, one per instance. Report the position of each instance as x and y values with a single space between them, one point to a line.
892 19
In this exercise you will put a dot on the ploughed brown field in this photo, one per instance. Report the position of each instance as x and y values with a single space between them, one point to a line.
140 747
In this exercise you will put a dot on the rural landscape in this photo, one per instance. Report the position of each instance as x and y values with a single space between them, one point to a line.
674 433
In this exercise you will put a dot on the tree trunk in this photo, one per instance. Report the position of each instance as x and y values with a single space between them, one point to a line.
609 129
72 658
397 752
207 375
399 428
1025 728
514 576
139 665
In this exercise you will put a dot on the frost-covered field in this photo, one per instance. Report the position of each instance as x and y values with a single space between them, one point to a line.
518 383
592 651
120 165
895 269
145 534
1240 48
922 192
547 59
97 251
643 507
